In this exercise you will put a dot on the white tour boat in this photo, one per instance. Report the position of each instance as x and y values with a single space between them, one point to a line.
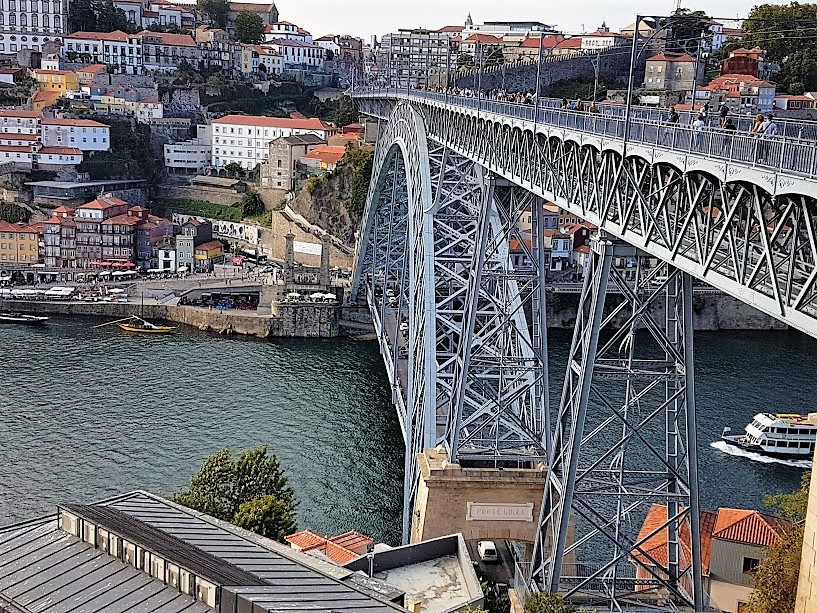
784 435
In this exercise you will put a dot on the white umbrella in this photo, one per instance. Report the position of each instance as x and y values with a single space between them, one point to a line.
116 290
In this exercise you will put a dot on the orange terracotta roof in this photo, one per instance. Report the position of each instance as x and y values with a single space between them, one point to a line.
122 220
86 123
304 539
7 226
447 29
60 151
338 554
313 123
514 245
656 545
102 203
752 527
64 209
328 154
668 56
15 148
212 245
117 35
22 114
10 136
483 38
352 540
174 40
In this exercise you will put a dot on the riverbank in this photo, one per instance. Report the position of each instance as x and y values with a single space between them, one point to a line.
711 312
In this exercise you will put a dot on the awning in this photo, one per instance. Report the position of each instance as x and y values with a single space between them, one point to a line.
182 269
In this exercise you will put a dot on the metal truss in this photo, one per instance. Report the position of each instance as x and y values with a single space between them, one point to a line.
625 440
749 233
470 374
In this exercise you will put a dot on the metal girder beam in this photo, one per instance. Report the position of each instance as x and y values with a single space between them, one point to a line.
629 381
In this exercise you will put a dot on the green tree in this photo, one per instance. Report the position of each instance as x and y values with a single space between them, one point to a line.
216 10
787 32
329 55
550 603
252 204
465 60
685 30
239 490
493 57
110 17
82 17
777 575
266 516
234 168
249 28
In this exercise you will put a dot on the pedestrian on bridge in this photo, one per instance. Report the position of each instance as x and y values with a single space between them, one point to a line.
698 131
729 131
723 114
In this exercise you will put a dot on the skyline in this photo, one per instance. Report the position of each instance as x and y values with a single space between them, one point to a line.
365 17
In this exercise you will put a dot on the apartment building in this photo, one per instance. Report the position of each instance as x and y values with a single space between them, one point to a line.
257 58
20 122
670 71
29 24
19 243
279 169
245 139
88 218
84 134
297 54
61 81
60 237
418 57
117 49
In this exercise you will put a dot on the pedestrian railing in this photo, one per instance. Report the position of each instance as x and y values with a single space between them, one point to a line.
795 155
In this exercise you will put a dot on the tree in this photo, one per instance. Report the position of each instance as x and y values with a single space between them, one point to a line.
250 491
252 204
685 30
777 575
249 28
329 55
493 57
787 33
110 17
233 168
266 516
465 60
550 603
216 10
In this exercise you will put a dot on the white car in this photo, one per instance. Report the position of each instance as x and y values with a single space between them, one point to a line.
404 328
487 551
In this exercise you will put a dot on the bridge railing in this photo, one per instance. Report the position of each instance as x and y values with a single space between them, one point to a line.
792 155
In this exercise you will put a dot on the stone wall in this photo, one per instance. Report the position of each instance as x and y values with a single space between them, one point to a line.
273 243
227 197
181 102
303 319
711 311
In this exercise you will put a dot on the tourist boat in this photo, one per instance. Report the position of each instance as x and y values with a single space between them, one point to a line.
784 435
19 318
139 325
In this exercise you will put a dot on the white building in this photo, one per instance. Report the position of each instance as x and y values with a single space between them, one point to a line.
58 156
20 122
244 139
501 29
190 156
27 24
602 39
83 134
133 11
284 29
298 55
118 49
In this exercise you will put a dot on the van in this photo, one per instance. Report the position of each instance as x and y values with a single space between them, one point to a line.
487 552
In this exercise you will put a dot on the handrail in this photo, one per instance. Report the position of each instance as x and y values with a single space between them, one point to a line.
794 155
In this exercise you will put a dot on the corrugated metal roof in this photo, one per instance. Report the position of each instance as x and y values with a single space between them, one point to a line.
46 570
293 584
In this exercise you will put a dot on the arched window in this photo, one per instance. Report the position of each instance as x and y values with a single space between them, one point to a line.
56 7
45 6
23 5
45 21
23 19
132 16
1 18
34 20
12 19
57 24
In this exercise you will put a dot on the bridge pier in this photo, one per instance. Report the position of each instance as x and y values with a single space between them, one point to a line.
624 446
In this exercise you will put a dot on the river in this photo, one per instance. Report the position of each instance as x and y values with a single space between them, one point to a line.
86 414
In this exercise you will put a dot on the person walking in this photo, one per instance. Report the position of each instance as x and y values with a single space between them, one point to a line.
672 122
729 132
564 104
579 105
723 114
698 131
767 130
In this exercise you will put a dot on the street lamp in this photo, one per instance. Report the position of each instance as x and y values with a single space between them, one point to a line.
594 62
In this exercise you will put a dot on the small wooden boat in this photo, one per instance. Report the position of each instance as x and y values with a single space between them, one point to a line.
19 318
139 326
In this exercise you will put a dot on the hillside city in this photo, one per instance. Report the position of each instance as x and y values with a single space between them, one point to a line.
207 164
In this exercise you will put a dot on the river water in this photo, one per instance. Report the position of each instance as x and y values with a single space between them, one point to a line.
86 414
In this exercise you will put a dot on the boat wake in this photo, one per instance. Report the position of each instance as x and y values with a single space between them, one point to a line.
725 447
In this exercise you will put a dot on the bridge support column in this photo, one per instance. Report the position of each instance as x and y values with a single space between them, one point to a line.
481 503
621 515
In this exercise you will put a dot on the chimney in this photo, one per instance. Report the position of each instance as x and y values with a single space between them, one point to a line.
415 608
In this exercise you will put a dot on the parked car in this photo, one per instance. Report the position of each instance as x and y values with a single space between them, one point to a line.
487 551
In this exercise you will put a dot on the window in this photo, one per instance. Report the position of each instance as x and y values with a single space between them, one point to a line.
750 565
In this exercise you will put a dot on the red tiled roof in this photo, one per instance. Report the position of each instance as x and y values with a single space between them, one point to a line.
86 123
483 38
60 151
31 137
64 209
656 545
15 148
447 29
752 527
210 246
313 123
352 540
123 220
514 245
7 226
174 40
22 114
304 539
327 154
56 72
117 35
668 56
95 68
102 203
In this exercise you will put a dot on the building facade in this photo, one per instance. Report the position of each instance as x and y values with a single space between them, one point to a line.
19 244
245 139
670 71
29 24
279 169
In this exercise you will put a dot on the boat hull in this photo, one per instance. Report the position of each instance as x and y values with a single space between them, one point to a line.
781 455
25 321
156 330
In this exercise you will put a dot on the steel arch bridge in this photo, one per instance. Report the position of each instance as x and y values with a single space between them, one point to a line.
457 294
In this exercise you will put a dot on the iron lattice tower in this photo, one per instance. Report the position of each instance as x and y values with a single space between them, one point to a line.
624 443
